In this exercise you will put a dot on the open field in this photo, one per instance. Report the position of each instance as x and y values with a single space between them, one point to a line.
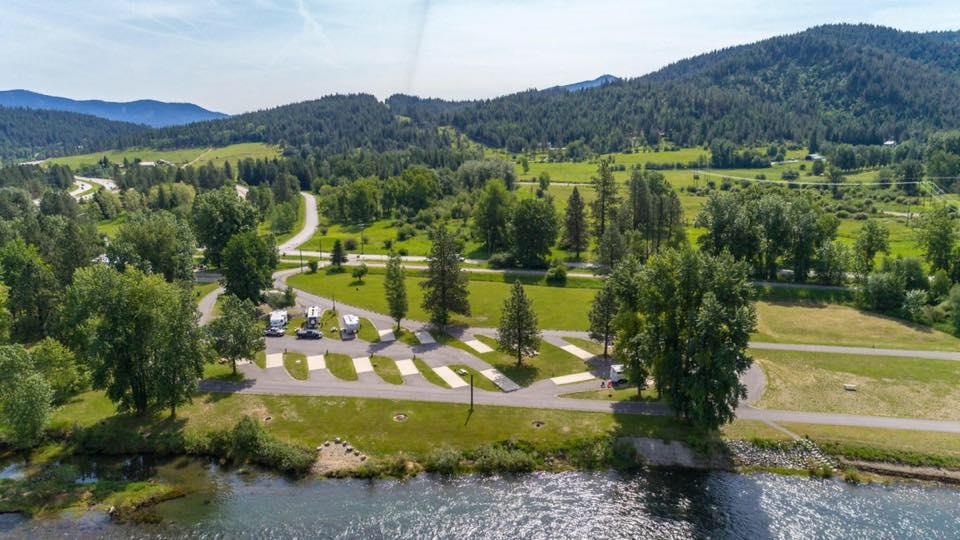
886 386
486 299
369 426
814 323
376 233
910 447
551 362
198 155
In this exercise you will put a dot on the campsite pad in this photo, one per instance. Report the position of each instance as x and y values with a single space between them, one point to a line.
449 377
575 378
578 352
478 346
500 380
407 367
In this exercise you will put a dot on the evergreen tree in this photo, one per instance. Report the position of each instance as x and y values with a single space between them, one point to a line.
491 216
337 255
602 313
575 234
610 249
517 333
235 334
394 283
606 188
445 288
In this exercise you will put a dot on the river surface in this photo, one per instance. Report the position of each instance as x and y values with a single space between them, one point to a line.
652 504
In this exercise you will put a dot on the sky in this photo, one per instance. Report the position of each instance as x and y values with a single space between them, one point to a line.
242 55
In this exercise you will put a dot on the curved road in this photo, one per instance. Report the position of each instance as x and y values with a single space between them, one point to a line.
542 394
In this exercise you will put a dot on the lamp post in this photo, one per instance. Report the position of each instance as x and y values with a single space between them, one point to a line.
362 226
471 392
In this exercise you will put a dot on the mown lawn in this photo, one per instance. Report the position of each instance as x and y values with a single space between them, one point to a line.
552 304
341 366
296 365
831 324
368 423
886 386
386 368
368 332
551 362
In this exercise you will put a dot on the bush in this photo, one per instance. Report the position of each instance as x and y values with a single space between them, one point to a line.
350 244
883 292
312 266
444 460
388 244
406 232
557 273
503 457
939 286
501 260
402 252
914 303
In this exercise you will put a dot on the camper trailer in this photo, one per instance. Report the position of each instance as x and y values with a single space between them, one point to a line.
312 320
350 325
618 374
278 319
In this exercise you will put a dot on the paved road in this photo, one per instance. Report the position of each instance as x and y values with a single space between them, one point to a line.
310 224
866 351
107 184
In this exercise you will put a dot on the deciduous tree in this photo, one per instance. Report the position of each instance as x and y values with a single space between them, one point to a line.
248 261
235 334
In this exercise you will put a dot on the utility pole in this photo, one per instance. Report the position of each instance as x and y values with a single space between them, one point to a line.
301 259
471 392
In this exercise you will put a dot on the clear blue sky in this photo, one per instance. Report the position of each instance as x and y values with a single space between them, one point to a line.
241 55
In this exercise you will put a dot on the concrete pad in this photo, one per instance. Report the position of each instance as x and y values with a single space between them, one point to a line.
362 364
407 367
500 380
575 378
316 362
450 377
578 352
387 335
424 337
273 360
478 346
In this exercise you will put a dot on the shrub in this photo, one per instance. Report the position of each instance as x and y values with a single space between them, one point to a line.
501 260
883 292
443 460
557 273
406 232
914 303
350 244
388 244
503 457
939 286
403 252
312 266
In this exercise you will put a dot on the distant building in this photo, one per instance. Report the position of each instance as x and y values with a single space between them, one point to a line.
891 142
814 157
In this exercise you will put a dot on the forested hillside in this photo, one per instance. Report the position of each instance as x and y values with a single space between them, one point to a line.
24 133
859 84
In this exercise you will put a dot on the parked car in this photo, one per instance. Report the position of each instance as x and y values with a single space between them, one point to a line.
308 333
274 331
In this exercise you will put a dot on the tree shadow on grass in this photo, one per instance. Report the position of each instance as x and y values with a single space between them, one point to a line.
524 374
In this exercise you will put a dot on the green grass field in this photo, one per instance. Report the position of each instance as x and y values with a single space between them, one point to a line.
886 386
368 332
831 324
551 362
486 299
341 366
296 365
386 368
198 156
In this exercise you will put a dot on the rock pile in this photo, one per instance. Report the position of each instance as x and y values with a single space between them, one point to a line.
801 454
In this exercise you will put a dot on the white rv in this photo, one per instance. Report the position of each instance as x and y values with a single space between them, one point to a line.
350 324
618 374
313 317
278 318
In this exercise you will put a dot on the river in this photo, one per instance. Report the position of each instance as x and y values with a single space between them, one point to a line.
658 503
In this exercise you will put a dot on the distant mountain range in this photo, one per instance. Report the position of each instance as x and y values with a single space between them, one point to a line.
857 84
582 85
145 111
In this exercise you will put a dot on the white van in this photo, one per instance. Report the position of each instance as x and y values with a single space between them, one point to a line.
618 374
278 318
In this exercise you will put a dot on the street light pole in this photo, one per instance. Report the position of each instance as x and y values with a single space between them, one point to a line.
471 392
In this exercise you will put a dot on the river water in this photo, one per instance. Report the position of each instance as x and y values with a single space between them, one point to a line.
650 504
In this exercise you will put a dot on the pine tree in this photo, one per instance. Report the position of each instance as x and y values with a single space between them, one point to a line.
337 256
517 333
610 249
602 312
606 188
445 289
575 235
396 289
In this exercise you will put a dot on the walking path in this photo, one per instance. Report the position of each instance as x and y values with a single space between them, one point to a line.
310 224
541 394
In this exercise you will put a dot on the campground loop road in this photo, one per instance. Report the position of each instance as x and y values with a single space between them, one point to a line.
541 394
